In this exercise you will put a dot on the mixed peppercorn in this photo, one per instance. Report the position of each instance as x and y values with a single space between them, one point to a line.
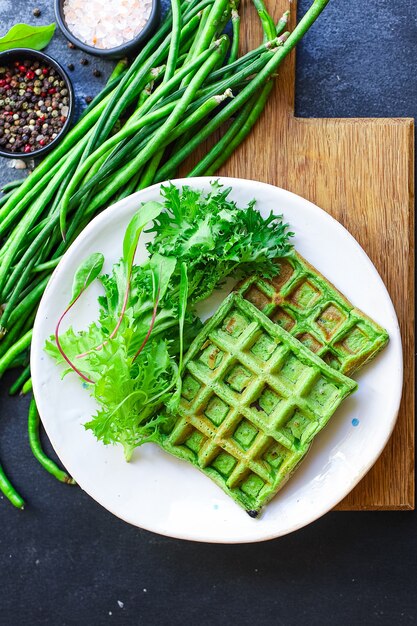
34 106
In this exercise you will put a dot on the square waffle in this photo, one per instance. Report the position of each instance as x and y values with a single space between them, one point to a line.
253 398
309 307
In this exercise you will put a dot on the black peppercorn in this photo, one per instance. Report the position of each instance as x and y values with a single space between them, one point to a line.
84 61
96 73
71 45
88 99
37 12
71 67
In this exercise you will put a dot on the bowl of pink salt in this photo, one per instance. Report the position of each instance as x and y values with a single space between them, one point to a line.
107 28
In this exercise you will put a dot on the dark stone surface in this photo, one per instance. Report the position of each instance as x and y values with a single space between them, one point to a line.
66 561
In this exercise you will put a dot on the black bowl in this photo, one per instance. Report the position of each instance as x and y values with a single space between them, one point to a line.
20 54
111 53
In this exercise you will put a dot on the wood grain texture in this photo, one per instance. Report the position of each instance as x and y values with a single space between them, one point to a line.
361 171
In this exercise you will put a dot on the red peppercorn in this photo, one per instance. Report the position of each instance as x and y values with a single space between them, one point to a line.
30 75
52 90
27 148
43 94
22 68
2 82
41 142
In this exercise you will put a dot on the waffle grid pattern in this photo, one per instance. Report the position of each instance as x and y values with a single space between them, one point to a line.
311 309
253 398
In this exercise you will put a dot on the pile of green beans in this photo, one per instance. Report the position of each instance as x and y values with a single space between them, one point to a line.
187 83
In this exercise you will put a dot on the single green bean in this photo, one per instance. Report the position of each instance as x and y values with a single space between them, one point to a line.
118 70
36 447
27 387
13 184
9 491
268 24
234 51
20 381
14 351
203 20
282 23
175 40
48 265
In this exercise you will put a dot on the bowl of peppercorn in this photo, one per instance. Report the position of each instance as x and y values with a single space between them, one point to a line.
36 103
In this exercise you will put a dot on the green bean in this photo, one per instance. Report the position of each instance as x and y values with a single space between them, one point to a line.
107 89
53 157
130 187
170 71
13 184
268 24
270 68
48 265
282 23
33 213
129 129
205 38
203 20
175 40
118 70
9 491
189 122
126 93
27 387
25 272
36 447
29 301
14 351
20 381
29 258
5 197
9 215
239 130
20 327
162 134
234 51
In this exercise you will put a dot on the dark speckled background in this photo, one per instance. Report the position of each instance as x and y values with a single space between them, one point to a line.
66 561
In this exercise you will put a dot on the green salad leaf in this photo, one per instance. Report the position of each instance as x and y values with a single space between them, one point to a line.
27 36
131 358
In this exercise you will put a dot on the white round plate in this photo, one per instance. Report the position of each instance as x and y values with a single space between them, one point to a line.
165 495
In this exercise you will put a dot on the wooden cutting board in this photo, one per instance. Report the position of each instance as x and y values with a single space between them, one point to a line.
361 171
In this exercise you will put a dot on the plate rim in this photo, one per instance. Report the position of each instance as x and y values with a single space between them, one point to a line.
106 216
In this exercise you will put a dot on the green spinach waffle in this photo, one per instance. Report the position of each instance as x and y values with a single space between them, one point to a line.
253 398
310 308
